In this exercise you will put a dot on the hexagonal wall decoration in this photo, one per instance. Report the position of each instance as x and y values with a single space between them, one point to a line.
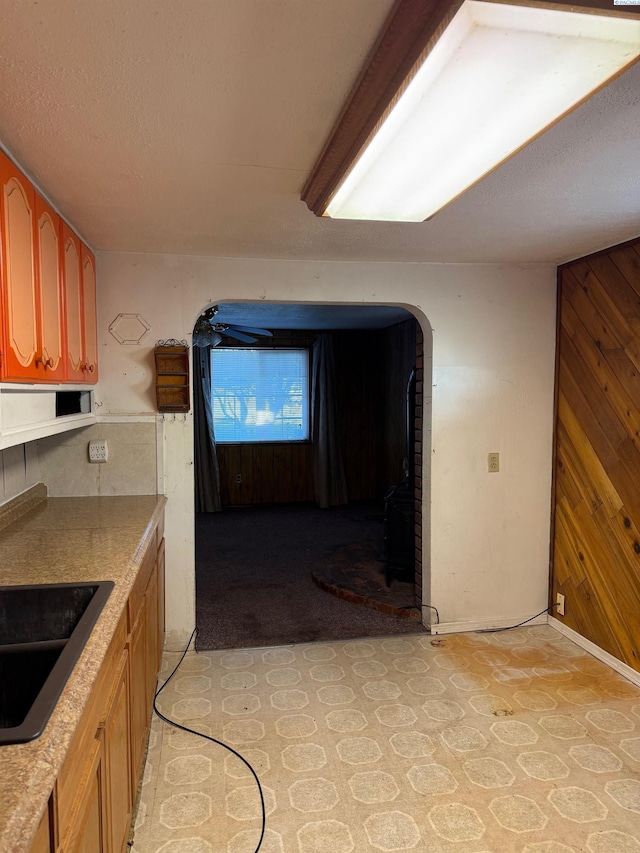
129 329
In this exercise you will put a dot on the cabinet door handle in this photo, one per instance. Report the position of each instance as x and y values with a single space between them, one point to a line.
40 361
91 368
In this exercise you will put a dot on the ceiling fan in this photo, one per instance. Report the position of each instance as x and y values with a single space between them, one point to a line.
208 333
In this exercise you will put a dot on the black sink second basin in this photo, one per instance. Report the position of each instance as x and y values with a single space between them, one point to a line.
29 614
43 630
23 672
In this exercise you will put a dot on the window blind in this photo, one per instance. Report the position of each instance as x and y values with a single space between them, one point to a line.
260 394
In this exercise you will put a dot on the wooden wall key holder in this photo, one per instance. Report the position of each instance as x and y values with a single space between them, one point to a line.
172 375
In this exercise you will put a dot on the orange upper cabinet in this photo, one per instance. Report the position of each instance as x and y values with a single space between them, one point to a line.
47 290
48 239
20 349
90 316
78 265
71 261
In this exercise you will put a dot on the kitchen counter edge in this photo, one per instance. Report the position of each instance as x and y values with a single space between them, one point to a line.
28 771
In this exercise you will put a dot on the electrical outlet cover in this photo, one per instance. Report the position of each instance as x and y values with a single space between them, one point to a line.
98 451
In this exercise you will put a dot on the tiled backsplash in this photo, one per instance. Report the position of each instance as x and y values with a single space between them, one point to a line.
130 469
19 469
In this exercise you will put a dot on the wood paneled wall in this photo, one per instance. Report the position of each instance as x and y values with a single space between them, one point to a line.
358 360
372 369
596 536
270 473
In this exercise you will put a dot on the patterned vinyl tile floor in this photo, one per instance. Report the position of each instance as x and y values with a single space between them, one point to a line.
474 743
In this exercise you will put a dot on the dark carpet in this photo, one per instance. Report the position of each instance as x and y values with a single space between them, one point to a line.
253 576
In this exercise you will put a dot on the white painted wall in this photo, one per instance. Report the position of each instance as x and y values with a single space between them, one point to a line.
493 358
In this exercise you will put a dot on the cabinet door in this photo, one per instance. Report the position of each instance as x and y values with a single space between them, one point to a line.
138 693
88 830
42 841
48 242
118 761
90 315
19 296
151 613
71 268
161 603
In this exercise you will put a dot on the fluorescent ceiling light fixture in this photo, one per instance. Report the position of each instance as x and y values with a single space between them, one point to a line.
498 76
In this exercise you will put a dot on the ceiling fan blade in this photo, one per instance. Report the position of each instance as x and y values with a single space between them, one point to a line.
252 330
239 336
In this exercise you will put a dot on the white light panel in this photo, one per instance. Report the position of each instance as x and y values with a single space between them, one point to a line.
497 78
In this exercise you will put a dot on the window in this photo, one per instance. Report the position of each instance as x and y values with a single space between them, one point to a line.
260 394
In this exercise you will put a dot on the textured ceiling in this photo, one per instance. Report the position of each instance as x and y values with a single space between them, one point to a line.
189 126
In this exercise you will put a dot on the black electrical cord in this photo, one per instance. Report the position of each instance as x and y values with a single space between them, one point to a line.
416 607
431 607
212 739
510 627
481 630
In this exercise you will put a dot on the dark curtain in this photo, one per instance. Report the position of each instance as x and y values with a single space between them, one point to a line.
329 478
207 473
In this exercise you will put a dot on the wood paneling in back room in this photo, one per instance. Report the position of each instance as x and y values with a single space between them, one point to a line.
358 362
272 472
596 546
373 368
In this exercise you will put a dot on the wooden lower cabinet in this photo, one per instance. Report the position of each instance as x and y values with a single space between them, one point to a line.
161 601
92 802
118 783
42 841
152 638
87 832
138 704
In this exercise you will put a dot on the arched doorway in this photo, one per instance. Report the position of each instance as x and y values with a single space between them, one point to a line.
267 489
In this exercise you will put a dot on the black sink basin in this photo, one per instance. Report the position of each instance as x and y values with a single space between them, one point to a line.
43 630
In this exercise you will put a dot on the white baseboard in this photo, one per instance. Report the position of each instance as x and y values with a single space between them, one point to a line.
483 624
621 668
